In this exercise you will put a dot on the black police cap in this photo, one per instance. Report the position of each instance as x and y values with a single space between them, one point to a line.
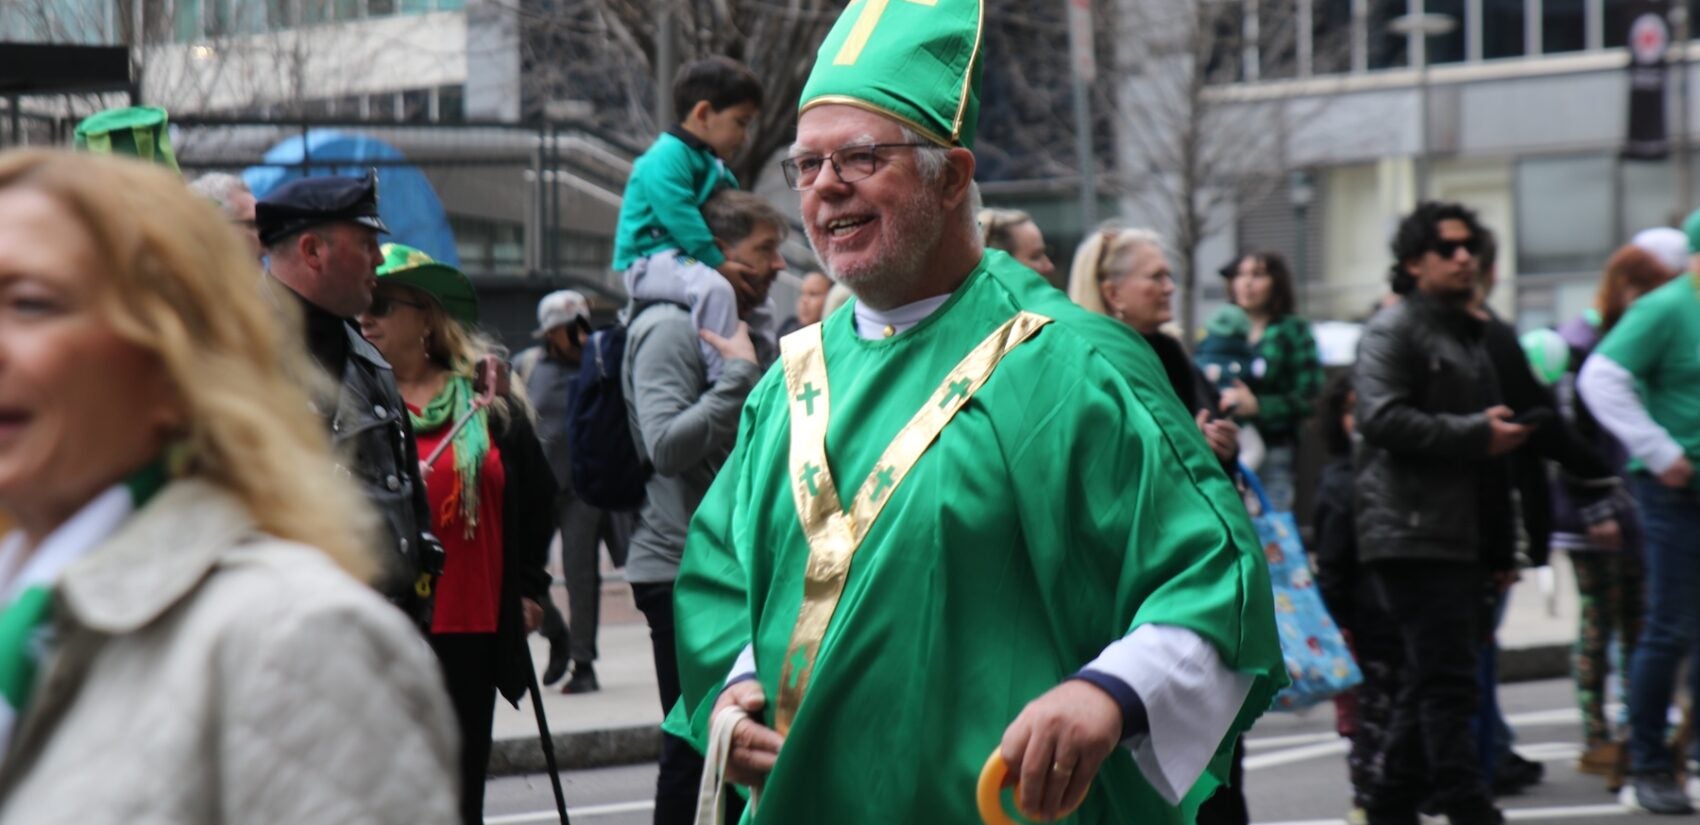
309 202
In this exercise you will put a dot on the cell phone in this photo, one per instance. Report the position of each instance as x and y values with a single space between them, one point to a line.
1535 418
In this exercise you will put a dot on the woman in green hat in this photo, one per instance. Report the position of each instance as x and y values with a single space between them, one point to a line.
489 487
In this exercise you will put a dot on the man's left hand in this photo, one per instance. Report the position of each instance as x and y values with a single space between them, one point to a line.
533 613
1222 434
1057 744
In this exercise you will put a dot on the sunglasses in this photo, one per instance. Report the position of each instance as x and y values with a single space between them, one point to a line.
383 305
1449 249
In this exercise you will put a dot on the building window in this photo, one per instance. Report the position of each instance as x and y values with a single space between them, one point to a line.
416 106
1277 39
1331 36
451 104
1503 27
1566 221
1564 26
378 8
1386 49
1448 48
186 20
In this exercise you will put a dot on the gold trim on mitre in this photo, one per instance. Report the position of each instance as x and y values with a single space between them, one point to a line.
968 76
846 100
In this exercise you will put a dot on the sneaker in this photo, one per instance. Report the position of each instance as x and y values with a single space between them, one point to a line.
1475 812
583 681
1655 793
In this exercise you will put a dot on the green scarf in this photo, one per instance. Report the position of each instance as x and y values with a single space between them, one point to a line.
470 446
24 620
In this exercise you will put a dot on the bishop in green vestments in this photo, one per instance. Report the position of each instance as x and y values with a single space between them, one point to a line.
964 516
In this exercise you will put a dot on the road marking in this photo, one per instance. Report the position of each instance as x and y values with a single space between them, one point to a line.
586 812
1289 741
1513 814
1301 754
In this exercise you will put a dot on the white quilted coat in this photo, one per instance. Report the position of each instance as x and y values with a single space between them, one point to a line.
207 674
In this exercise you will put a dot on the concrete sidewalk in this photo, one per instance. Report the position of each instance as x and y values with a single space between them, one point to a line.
619 724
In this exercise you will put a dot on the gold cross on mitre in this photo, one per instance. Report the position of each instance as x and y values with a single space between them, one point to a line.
872 11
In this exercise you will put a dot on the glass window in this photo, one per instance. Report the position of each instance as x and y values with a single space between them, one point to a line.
1503 29
348 106
451 104
415 6
1565 214
451 5
375 8
416 106
1447 48
1226 40
1386 49
381 106
347 9
315 11
186 20
1277 39
280 14
1563 26
1331 36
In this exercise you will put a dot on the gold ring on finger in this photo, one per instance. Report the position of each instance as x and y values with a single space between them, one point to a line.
1058 769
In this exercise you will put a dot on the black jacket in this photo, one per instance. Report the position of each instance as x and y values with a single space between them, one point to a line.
1427 489
373 440
1589 477
1194 390
528 525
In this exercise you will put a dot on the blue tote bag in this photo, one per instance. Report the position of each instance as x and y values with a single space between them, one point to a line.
1318 661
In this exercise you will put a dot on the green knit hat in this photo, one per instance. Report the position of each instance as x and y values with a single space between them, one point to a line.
917 61
137 131
411 267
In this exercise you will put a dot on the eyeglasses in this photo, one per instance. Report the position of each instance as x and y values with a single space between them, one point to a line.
383 305
850 164
1449 249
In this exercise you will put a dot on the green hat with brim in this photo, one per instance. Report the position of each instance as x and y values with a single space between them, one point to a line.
916 61
410 267
137 131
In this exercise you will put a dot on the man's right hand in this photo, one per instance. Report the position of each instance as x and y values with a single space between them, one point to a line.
1679 474
737 348
740 277
1506 435
755 746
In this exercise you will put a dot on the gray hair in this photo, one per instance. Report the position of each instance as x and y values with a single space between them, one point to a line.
219 187
930 161
997 225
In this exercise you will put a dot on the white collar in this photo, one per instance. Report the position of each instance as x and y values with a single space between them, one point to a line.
70 541
873 324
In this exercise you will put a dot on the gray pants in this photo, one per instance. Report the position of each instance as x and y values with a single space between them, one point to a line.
583 529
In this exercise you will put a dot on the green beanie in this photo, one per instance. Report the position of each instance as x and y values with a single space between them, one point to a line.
917 61
137 131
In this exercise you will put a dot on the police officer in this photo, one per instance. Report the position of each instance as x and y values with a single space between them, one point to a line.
321 238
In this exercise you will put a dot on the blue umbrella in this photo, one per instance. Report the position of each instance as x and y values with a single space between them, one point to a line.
406 200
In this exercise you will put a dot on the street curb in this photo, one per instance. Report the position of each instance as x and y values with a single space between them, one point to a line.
1531 664
640 744
578 750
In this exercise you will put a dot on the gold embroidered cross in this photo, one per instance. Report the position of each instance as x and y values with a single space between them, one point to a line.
864 28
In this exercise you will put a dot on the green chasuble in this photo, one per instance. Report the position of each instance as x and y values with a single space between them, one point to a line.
1071 500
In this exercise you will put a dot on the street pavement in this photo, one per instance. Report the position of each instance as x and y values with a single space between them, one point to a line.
617 725
1295 774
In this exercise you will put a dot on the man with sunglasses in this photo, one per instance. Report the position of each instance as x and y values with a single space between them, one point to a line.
1434 509
321 241
967 524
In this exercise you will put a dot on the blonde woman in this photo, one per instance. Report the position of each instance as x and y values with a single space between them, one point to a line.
491 492
1014 231
182 632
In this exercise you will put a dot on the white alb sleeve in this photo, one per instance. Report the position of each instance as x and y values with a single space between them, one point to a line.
745 665
1190 699
1609 391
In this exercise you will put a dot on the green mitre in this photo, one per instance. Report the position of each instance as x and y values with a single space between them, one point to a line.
137 131
914 60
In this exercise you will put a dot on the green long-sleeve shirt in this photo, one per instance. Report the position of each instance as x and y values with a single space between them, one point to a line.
1290 381
669 184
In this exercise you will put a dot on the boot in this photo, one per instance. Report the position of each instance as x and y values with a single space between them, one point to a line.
583 681
560 643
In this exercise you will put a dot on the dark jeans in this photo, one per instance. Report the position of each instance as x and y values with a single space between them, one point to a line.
584 529
1493 734
469 668
681 766
1670 520
1429 753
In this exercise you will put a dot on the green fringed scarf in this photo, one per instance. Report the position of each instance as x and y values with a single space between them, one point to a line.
471 444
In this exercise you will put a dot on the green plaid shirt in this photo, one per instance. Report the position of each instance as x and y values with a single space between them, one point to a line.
1291 380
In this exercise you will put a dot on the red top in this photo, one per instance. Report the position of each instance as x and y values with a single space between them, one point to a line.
470 592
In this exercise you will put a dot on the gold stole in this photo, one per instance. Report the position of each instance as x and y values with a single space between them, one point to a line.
833 534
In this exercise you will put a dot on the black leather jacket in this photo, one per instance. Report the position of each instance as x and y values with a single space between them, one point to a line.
1426 487
373 440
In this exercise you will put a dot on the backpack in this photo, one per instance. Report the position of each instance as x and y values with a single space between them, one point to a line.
607 471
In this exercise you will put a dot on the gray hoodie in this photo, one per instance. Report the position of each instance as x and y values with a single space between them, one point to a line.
684 426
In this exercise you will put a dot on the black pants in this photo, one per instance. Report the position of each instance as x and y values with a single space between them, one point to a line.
1227 805
1438 611
469 667
681 766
